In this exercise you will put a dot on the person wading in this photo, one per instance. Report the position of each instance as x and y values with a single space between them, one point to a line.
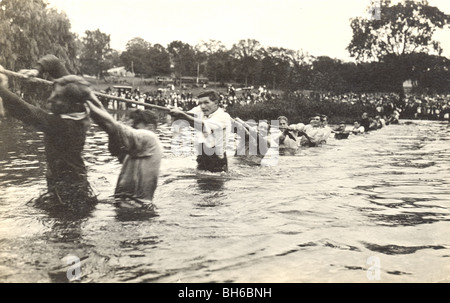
64 131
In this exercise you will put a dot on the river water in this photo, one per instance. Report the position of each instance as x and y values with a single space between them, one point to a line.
372 208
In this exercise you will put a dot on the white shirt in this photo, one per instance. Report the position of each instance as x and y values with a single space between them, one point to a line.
216 130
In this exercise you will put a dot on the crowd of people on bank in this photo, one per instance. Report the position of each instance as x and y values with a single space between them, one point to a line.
187 100
430 107
435 107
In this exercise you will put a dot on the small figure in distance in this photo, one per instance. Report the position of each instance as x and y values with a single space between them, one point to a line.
357 128
340 132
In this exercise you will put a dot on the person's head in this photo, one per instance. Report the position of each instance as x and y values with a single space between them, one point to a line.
68 95
364 116
283 123
341 126
209 102
324 120
356 124
315 121
144 119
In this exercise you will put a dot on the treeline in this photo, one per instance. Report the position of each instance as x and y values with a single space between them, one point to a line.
30 29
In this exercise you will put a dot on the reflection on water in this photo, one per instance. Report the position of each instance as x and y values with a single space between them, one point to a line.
318 216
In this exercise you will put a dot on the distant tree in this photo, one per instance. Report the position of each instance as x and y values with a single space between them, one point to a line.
248 53
183 58
112 59
159 60
144 59
217 60
29 30
326 75
135 57
276 65
96 47
400 30
431 73
300 71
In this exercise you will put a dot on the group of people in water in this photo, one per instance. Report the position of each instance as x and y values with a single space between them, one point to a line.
72 106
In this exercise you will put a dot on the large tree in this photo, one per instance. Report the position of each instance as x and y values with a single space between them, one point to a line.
146 59
248 53
30 30
96 48
217 58
135 57
183 58
276 65
159 60
400 31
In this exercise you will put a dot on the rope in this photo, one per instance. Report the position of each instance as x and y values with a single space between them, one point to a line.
47 82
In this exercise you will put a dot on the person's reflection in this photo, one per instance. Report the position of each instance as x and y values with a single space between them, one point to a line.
63 212
133 210
65 236
210 184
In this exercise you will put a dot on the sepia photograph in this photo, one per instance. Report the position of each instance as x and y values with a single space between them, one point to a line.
243 144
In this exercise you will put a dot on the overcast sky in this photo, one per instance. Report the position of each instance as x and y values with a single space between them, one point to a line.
319 27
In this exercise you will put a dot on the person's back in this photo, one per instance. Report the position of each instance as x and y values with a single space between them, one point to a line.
137 148
138 177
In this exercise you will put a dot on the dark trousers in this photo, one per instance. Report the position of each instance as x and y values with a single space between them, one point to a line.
212 163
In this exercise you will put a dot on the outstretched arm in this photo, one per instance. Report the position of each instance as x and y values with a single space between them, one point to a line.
100 115
194 122
48 64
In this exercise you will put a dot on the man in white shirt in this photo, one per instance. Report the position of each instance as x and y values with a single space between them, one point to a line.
213 128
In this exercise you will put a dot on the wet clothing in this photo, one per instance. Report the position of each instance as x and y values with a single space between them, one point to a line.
141 152
214 140
317 135
341 135
365 123
212 163
64 139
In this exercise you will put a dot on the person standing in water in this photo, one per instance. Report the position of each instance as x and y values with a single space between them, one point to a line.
213 129
64 131
137 147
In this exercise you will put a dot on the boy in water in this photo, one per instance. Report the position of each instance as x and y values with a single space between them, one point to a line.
137 147
64 132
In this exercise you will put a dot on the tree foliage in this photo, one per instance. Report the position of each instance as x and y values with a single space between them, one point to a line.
402 29
29 30
183 58
248 54
96 49
144 59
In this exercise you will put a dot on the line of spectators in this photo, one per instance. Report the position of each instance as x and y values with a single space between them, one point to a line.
186 100
435 107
